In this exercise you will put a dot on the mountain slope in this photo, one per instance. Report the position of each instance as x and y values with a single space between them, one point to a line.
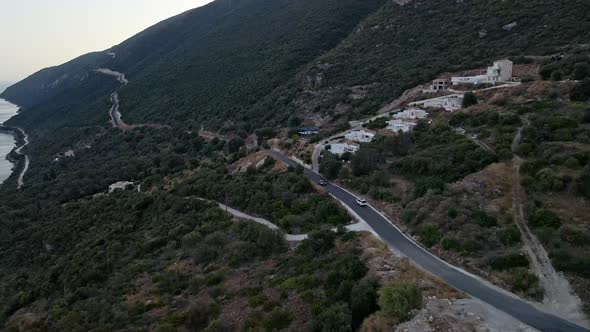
400 47
209 61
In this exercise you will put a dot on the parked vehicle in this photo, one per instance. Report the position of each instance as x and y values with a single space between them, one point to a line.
361 202
323 182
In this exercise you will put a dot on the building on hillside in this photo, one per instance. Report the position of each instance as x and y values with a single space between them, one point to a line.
398 125
441 84
452 103
449 103
411 113
361 136
341 148
500 71
124 185
306 131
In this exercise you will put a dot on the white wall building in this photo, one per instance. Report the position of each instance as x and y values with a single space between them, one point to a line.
500 71
123 185
400 125
412 113
342 148
449 103
361 136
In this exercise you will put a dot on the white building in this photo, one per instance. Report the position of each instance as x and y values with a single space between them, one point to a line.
398 125
361 136
341 148
412 113
500 71
123 185
449 103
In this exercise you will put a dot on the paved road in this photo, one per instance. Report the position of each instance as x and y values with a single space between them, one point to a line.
114 113
464 282
20 180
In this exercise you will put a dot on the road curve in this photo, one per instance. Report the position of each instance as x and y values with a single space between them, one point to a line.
461 280
19 150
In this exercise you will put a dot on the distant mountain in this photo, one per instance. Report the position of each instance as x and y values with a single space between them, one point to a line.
217 59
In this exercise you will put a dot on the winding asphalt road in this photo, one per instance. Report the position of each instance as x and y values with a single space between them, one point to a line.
461 280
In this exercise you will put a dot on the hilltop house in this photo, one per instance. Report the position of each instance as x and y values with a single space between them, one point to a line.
400 125
500 71
440 85
341 148
306 131
361 136
124 185
412 113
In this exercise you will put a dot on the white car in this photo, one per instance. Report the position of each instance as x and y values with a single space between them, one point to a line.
361 202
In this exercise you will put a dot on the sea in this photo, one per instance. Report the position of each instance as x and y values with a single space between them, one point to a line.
7 141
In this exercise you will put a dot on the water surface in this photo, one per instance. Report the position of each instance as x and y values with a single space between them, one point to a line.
7 141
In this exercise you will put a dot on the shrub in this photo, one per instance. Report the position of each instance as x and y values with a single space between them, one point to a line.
330 166
469 99
335 318
510 235
363 301
452 213
276 320
429 235
485 220
583 182
556 75
201 313
398 301
568 261
581 92
451 244
544 218
523 281
509 261
408 216
574 235
426 183
581 71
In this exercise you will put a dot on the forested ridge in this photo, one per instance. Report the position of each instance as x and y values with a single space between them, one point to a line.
212 86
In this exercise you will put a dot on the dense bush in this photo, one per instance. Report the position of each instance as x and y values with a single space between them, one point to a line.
398 301
287 199
509 261
581 92
510 235
429 235
469 99
544 218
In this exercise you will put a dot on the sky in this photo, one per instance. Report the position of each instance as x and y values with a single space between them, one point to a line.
35 34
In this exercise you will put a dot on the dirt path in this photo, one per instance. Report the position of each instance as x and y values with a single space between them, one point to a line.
558 295
357 227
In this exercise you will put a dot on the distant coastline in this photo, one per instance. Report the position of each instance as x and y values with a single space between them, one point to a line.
12 162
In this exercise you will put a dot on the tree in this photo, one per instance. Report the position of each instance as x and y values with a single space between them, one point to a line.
398 301
277 320
330 166
363 301
581 71
581 92
545 218
556 75
364 162
583 182
334 319
469 99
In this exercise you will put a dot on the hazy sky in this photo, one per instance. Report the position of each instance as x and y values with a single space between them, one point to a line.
35 34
